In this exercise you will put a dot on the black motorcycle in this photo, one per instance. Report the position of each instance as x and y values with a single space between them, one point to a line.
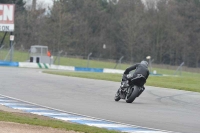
129 90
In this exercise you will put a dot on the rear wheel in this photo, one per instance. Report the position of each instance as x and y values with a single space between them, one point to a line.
132 94
117 96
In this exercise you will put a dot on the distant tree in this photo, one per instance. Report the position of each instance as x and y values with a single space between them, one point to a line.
132 14
189 10
78 26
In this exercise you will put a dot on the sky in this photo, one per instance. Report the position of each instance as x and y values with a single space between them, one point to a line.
44 2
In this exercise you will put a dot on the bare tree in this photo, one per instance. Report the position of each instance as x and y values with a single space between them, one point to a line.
132 13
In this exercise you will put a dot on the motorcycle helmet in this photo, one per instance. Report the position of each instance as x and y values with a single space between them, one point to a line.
144 63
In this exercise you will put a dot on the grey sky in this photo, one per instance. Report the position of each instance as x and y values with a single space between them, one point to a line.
44 2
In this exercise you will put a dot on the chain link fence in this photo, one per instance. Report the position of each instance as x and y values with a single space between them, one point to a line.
62 58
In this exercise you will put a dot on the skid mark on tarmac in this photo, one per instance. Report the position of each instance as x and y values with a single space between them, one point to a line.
176 99
72 117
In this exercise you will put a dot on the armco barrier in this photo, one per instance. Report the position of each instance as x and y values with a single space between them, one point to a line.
45 66
7 63
106 70
28 65
67 68
85 69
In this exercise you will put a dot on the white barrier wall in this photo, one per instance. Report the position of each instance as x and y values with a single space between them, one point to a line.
105 70
67 68
28 65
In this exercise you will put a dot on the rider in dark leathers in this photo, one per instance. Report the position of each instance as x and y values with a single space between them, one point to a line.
140 69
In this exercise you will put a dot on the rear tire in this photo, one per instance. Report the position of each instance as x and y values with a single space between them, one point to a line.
133 94
117 96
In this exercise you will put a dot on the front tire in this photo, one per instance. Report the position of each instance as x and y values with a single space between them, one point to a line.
132 94
117 96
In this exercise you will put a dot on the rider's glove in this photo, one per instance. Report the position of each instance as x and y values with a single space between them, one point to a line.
124 77
129 76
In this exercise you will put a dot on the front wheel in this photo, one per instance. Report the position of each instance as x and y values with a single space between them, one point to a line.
132 94
117 96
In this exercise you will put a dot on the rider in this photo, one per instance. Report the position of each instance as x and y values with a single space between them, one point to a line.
140 69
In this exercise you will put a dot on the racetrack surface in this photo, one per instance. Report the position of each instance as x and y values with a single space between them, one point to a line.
165 109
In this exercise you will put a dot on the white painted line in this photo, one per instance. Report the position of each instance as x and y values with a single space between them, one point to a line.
74 118
144 131
17 104
7 100
24 108
108 125
50 114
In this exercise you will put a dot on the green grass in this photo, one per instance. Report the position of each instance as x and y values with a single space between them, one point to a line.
92 63
47 122
188 83
181 83
18 56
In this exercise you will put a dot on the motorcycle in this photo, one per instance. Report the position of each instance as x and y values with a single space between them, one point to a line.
128 91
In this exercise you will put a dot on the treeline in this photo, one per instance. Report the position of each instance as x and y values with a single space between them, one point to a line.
168 31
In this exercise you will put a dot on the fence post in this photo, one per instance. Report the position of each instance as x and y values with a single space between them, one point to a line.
11 45
179 69
88 58
59 53
119 62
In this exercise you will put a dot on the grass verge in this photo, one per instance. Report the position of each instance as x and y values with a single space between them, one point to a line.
188 83
32 119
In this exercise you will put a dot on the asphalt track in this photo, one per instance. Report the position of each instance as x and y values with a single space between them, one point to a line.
165 109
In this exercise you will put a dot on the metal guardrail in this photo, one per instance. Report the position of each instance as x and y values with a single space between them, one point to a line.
59 67
7 63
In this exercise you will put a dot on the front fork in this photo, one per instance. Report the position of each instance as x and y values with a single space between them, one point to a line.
122 92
